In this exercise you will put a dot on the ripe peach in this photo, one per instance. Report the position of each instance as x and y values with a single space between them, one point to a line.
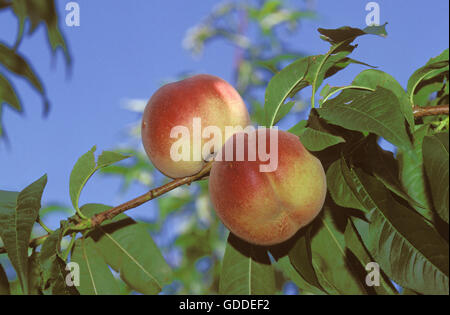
267 208
204 97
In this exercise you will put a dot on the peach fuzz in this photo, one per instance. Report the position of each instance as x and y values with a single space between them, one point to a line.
207 97
266 208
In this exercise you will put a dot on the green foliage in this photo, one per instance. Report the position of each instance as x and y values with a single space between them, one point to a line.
127 247
4 284
37 12
382 207
378 208
435 156
18 212
85 168
95 276
246 269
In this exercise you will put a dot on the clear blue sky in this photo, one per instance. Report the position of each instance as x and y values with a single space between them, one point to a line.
124 49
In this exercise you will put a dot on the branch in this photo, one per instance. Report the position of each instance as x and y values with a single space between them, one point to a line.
152 194
99 218
419 111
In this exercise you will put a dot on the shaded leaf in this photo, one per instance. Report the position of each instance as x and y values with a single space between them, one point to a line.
4 283
410 251
434 67
58 276
338 187
246 269
19 65
435 157
41 11
17 217
8 94
412 173
345 33
301 258
331 263
356 246
34 274
289 271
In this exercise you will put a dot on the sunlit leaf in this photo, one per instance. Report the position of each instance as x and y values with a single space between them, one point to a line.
95 276
372 78
85 167
367 112
129 249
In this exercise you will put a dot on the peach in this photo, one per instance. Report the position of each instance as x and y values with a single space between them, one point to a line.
208 98
267 208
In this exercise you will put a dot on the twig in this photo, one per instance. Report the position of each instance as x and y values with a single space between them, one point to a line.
99 218
152 194
419 111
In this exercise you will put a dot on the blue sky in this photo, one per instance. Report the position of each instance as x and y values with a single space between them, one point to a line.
124 49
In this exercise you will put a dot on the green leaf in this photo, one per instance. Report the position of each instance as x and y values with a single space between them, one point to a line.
314 134
356 246
410 251
345 33
372 78
301 258
54 272
368 112
383 165
339 189
17 217
4 283
85 167
246 269
129 249
34 274
95 276
316 140
331 263
435 157
41 11
283 85
412 173
58 276
19 65
289 271
434 67
8 94
272 63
